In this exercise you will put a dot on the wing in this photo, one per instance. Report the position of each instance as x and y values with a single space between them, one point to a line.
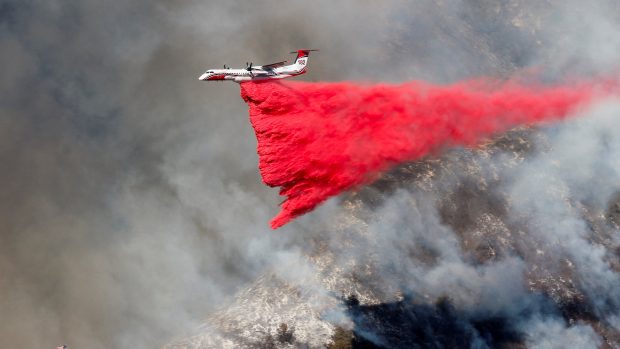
273 65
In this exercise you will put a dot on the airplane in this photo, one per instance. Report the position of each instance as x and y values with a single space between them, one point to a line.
261 72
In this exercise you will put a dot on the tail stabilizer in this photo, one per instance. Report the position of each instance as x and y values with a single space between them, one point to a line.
302 56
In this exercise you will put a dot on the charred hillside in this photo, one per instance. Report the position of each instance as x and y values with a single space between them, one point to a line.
407 324
472 263
477 208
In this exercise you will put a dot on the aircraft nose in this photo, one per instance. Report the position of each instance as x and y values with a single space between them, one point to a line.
203 77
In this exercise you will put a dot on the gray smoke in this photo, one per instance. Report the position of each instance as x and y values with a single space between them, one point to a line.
131 208
527 239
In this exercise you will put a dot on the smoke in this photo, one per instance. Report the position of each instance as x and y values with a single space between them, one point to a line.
554 334
131 202
542 260
508 232
571 183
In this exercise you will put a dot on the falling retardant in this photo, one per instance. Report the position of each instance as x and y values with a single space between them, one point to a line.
316 140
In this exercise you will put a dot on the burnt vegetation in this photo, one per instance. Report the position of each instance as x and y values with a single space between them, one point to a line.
407 324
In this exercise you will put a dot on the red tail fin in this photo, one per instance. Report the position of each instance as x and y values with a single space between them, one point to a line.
302 53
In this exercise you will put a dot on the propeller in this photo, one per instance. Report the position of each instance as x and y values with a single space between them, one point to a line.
248 67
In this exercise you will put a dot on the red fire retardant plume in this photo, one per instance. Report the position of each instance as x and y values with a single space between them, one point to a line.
316 140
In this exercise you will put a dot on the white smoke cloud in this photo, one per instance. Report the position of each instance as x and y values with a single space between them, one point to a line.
582 167
552 333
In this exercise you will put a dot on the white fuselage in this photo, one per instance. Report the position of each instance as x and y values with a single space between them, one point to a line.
256 73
